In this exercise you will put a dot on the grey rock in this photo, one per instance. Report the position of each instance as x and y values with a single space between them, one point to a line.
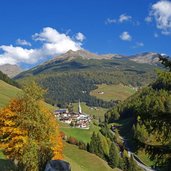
58 165
10 70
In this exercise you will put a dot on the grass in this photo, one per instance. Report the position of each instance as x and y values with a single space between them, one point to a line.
81 160
50 107
113 92
80 134
7 92
98 112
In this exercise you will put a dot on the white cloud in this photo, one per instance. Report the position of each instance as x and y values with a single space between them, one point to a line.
13 55
53 43
23 42
110 21
126 36
80 37
121 19
124 17
161 12
148 19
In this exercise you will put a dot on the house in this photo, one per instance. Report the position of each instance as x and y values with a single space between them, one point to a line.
77 119
61 111
100 92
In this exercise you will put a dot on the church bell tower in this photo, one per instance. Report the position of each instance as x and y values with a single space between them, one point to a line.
79 108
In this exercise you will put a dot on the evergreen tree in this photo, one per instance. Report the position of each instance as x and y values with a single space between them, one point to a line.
113 156
93 144
100 151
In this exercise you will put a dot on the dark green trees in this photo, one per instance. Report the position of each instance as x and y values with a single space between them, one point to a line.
96 145
113 156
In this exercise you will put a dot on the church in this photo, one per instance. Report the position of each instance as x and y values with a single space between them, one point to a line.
75 119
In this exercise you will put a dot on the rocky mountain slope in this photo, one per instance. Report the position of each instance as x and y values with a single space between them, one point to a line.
147 57
10 70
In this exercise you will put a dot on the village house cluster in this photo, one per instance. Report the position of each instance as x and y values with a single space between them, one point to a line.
74 119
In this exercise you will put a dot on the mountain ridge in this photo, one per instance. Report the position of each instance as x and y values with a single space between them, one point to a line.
10 70
146 57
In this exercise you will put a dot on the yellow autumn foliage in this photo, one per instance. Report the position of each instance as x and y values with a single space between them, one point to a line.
29 133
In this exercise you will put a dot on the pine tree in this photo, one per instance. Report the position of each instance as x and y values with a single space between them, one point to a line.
93 144
100 151
113 156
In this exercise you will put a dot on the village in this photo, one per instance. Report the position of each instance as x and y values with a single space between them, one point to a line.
74 119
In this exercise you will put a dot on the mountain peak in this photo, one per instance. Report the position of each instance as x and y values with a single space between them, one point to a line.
146 57
10 70
70 55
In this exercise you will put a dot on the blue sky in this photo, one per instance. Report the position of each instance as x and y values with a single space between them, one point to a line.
33 31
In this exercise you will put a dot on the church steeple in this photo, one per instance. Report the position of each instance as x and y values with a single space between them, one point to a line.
79 107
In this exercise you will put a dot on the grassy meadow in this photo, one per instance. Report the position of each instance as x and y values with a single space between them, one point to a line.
113 92
80 134
81 160
7 92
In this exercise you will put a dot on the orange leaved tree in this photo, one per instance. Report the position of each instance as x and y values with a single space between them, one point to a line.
29 133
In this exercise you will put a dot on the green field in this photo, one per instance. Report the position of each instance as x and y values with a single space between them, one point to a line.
7 92
113 92
98 112
81 160
80 134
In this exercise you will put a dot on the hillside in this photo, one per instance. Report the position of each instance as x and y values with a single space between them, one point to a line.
83 161
145 121
7 92
113 92
79 160
74 75
8 80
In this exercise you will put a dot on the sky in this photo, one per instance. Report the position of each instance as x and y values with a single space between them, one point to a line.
33 31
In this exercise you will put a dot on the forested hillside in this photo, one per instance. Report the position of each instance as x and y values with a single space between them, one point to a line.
69 78
8 80
150 110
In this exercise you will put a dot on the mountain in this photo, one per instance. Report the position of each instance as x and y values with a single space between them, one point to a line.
68 75
10 70
84 60
147 57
